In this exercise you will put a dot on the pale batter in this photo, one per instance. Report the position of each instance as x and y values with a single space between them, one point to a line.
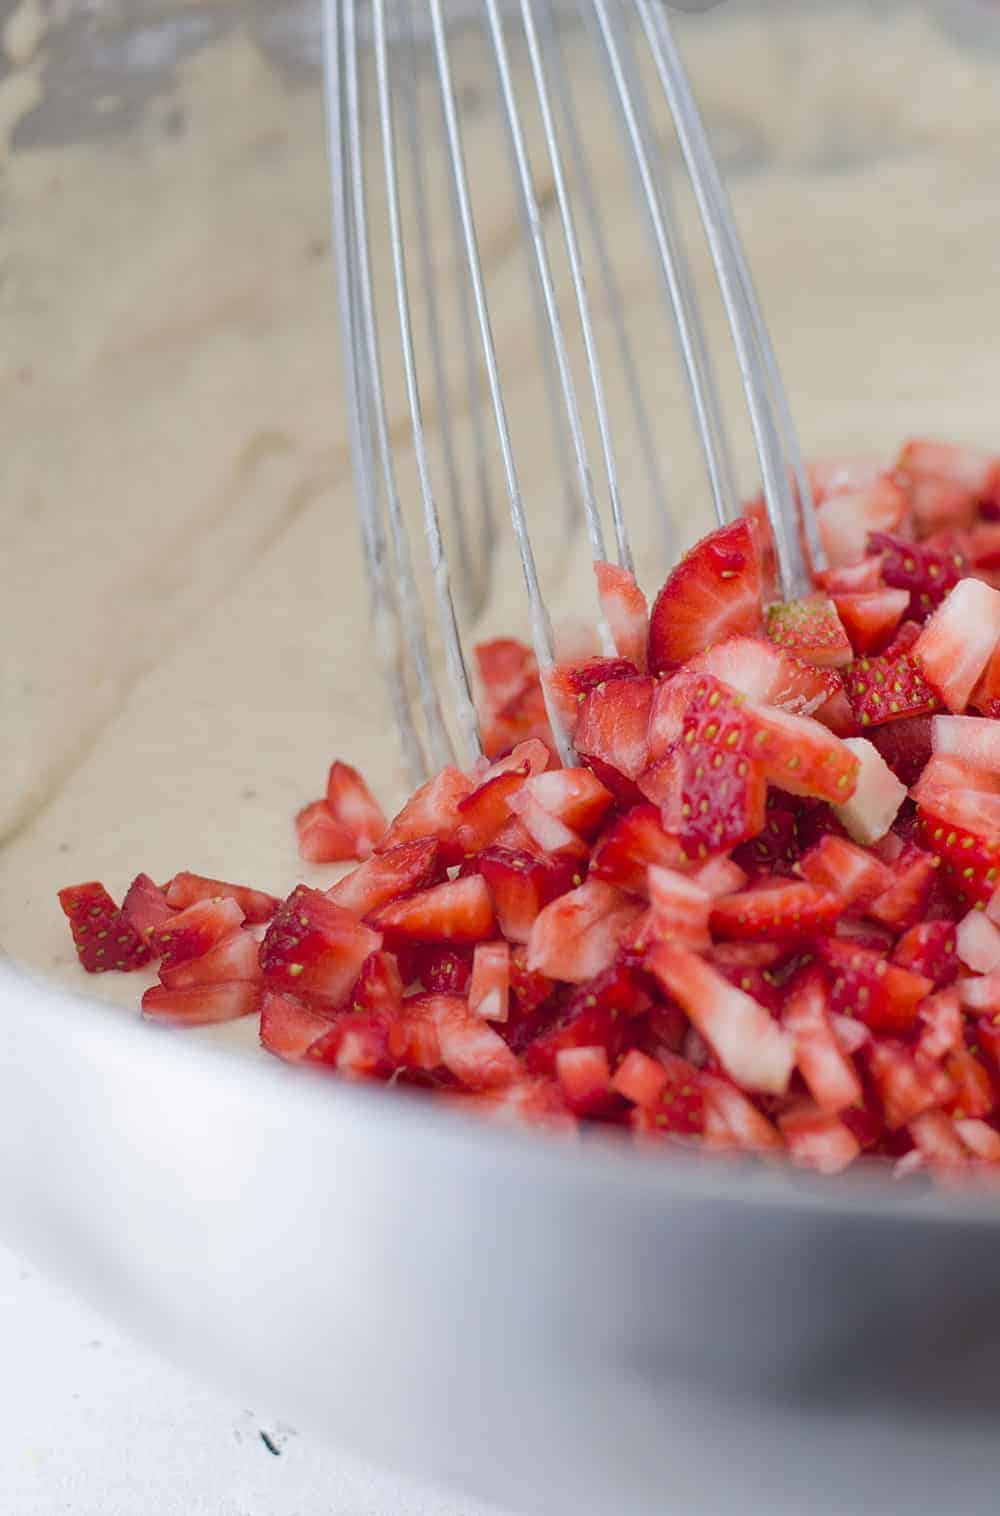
186 641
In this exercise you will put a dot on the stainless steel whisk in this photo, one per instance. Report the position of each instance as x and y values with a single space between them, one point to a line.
395 40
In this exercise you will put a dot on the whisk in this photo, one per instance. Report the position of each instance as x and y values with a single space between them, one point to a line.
633 44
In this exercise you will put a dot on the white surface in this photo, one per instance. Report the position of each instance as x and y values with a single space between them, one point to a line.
92 1424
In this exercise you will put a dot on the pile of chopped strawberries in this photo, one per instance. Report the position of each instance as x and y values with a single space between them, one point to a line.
762 910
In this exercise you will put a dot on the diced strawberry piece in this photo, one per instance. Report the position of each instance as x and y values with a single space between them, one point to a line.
288 1028
907 1083
846 520
460 910
470 1048
757 982
413 1043
186 889
521 885
905 639
524 718
528 1102
864 578
878 794
928 573
810 629
870 617
680 909
231 959
357 1047
569 684
505 667
978 943
976 471
483 813
529 989
959 832
982 546
625 611
853 872
904 902
863 984
191 932
837 714
943 1026
936 1140
779 911
817 1139
980 1139
763 673
432 811
613 725
714 592
352 803
905 746
888 689
314 947
972 739
441 969
379 987
975 1091
632 842
101 935
531 756
572 795
840 476
388 876
777 846
929 949
145 905
679 1109
959 640
720 876
939 504
980 995
710 805
640 1079
758 955
202 1004
322 839
826 1068
489 987
585 1078
733 1121
748 1042
576 937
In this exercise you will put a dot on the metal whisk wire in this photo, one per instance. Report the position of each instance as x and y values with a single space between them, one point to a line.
400 634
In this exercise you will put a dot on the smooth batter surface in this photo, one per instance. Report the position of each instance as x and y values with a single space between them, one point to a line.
185 636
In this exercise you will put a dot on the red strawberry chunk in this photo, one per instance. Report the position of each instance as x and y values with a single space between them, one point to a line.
322 839
928 573
576 937
103 938
528 989
827 1070
470 1049
585 1078
870 617
484 812
777 846
550 837
810 629
231 959
907 1083
863 984
680 1109
187 889
720 876
816 1139
905 901
801 756
191 932
379 987
506 668
853 872
614 723
943 1025
779 911
632 842
714 592
145 905
357 1047
711 803
442 970
980 996
765 674
568 684
388 876
840 476
959 640
975 1088
521 885
979 1139
936 1139
432 811
904 745
460 910
531 755
352 803
639 1078
573 795
680 909
929 949
201 1004
489 986
888 689
975 470
625 611
972 739
864 578
288 1028
749 1044
846 520
314 947
733 1121
968 857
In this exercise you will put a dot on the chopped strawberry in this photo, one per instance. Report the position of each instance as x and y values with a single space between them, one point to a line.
817 1139
585 1077
379 987
837 714
720 876
632 842
960 832
460 910
851 871
680 909
888 689
314 947
905 901
531 756
145 905
484 812
973 739
840 476
977 943
191 932
388 876
569 684
576 937
846 520
613 725
976 471
943 1026
710 802
980 1139
929 949
959 640
734 1121
826 1068
288 1028
870 617
625 611
878 794
714 592
905 746
679 1108
810 629
231 959
907 1083
102 936
322 838
201 1005
352 803
521 885
573 795
640 1079
975 1090
863 578
763 673
528 989
529 1102
777 846
785 911
980 995
506 668
863 984
432 811
748 1042
186 889
489 987
441 969
470 1048
928 573
357 1047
